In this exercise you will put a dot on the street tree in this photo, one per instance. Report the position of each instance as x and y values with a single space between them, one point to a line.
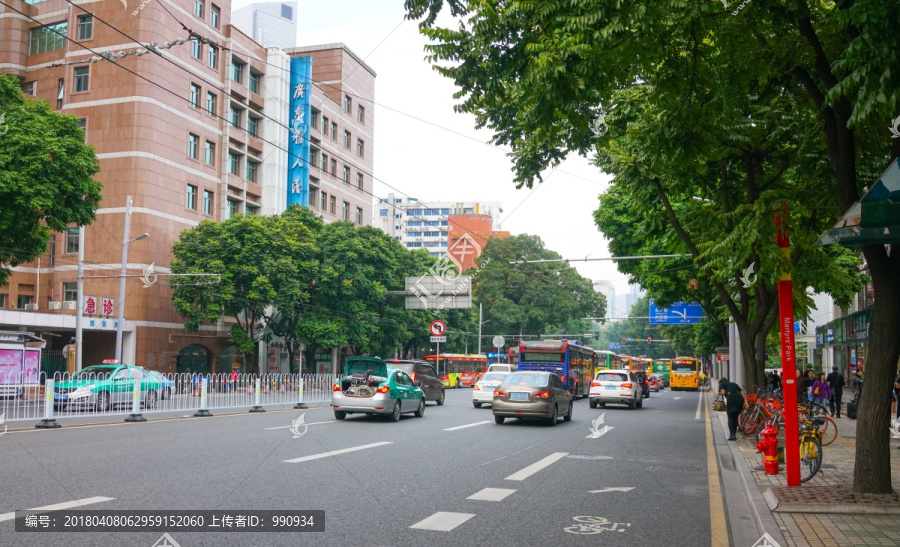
46 176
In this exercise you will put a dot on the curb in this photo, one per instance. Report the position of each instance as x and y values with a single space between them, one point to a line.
828 508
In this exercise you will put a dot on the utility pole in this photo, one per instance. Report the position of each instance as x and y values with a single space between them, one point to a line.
479 327
79 305
120 321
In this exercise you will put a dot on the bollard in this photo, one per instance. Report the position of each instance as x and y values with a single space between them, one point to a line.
257 407
135 415
300 397
204 403
48 422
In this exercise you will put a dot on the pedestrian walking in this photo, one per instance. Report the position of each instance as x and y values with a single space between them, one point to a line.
821 392
734 404
807 384
856 384
897 395
776 381
801 391
836 383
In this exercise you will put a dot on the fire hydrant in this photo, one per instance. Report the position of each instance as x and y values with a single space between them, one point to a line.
769 448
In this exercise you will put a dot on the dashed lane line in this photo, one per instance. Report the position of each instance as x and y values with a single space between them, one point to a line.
337 452
537 466
467 425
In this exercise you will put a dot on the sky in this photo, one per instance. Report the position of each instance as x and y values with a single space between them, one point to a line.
423 149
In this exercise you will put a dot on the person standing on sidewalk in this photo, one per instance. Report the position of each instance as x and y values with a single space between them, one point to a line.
734 404
807 384
821 392
897 396
836 383
856 384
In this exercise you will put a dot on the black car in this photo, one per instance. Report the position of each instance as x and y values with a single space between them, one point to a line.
424 375
645 384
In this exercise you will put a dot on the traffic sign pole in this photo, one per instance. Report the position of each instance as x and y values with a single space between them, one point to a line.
788 363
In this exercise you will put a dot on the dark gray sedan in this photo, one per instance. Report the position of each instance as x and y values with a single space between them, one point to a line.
532 394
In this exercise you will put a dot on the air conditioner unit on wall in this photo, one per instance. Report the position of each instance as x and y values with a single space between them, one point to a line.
69 305
55 305
30 307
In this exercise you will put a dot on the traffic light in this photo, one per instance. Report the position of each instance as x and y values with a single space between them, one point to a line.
596 335
623 339
649 340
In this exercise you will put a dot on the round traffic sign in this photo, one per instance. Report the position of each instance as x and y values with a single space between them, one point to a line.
498 341
438 328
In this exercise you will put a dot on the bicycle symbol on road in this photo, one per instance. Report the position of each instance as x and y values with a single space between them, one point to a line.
595 525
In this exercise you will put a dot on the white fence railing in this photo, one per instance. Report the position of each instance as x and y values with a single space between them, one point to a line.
87 394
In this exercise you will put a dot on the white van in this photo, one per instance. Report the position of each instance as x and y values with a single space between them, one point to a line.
501 368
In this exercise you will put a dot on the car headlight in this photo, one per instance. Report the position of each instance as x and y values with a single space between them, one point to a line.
82 392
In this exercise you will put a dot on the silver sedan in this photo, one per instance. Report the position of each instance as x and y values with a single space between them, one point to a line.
532 394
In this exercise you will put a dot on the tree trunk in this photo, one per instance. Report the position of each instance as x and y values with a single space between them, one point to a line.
309 357
872 469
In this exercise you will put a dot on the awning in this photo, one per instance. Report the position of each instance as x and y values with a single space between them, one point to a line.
874 219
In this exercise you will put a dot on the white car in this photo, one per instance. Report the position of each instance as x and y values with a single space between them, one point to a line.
616 386
500 367
483 390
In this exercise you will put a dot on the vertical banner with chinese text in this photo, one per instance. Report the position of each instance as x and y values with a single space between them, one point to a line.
298 148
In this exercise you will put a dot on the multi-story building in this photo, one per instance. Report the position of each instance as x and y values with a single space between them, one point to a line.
183 134
428 225
271 24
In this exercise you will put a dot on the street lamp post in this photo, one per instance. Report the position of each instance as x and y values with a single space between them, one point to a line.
120 321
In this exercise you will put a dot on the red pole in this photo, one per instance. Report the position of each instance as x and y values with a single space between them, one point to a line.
788 362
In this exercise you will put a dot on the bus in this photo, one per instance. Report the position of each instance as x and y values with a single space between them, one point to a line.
629 362
662 368
645 364
457 370
685 374
513 356
571 361
606 360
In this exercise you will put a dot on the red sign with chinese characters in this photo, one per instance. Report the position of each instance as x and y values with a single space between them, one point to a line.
107 306
90 305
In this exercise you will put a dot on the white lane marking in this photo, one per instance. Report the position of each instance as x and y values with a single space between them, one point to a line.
290 426
535 467
442 521
612 489
467 425
675 398
491 494
336 452
699 407
77 503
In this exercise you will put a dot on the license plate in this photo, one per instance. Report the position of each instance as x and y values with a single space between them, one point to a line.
518 396
60 396
610 387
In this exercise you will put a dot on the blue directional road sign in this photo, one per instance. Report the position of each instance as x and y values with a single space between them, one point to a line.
678 313
615 345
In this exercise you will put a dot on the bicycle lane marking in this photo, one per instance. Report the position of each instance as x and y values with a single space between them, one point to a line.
718 524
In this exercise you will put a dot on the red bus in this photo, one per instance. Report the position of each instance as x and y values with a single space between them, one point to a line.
457 370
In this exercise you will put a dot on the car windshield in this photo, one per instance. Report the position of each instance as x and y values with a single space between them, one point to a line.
408 368
91 373
612 377
525 379
494 377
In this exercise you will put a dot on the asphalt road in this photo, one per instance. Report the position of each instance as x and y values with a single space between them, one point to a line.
403 480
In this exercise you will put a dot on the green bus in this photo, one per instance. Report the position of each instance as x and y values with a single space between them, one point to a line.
663 369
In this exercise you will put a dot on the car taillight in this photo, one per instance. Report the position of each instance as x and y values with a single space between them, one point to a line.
383 389
498 393
629 385
542 395
335 387
595 384
413 376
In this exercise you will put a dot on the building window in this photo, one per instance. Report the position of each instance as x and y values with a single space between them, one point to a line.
348 104
23 300
210 103
60 92
195 96
198 8
214 13
255 78
196 48
359 181
333 167
253 125
70 291
251 170
207 202
214 57
82 79
345 211
332 201
313 117
323 201
324 125
359 216
360 148
48 38
346 139
346 176
193 145
191 197
71 240
324 164
3 298
334 131
29 88
383 213
252 209
361 114
82 123
234 116
210 155
234 163
232 208
237 70
85 27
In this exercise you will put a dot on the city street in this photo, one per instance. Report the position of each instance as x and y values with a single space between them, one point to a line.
416 482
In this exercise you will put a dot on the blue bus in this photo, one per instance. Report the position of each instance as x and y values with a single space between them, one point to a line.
568 359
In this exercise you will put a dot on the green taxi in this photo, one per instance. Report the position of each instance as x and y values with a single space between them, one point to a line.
104 386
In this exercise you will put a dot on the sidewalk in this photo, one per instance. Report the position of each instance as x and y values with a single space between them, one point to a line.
823 511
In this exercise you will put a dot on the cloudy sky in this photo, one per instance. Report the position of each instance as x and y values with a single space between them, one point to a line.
425 150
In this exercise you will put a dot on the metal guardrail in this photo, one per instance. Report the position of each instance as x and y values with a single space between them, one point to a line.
62 396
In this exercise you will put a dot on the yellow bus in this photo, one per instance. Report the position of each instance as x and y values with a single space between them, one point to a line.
646 364
685 374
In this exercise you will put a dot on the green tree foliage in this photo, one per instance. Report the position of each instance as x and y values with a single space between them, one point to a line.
46 173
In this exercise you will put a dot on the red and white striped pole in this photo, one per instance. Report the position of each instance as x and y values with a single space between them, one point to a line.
788 357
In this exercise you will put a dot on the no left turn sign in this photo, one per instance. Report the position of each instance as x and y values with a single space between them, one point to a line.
438 328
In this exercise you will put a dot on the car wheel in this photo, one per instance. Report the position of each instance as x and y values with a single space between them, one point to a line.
555 416
499 419
640 404
395 414
632 404
568 416
150 399
593 404
103 401
421 411
167 394
477 405
440 401
339 414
